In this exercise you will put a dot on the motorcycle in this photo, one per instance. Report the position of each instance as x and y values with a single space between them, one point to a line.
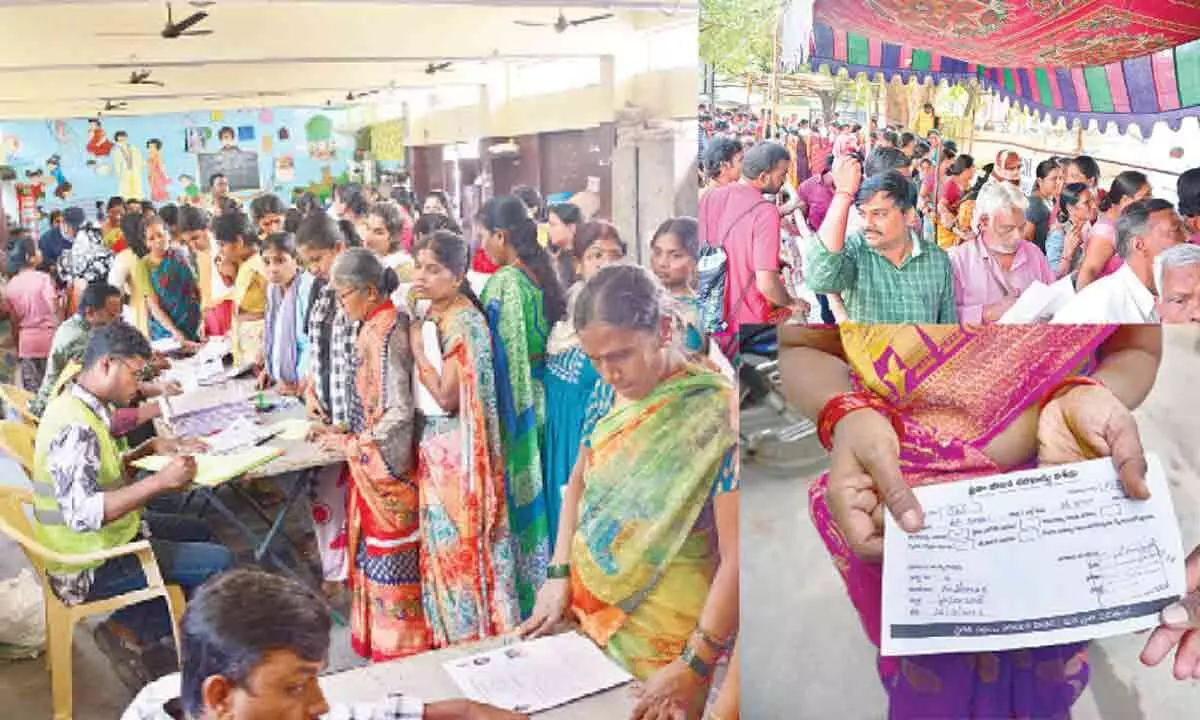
762 401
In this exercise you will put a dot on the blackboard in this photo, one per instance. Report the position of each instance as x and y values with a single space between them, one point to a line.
240 166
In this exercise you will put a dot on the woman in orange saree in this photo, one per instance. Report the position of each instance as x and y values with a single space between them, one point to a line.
387 619
968 400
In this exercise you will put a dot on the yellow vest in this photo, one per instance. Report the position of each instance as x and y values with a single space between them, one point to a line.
49 526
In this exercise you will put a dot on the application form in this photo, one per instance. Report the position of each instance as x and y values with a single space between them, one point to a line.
1030 558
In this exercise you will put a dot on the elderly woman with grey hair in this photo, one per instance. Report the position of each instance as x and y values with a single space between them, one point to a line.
382 500
1177 277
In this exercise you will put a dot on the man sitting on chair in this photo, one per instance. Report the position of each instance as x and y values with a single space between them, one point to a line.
86 500
253 646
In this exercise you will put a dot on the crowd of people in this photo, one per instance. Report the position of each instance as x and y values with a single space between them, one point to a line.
534 429
893 225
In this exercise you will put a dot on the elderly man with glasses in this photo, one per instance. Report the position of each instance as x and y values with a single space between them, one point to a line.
993 269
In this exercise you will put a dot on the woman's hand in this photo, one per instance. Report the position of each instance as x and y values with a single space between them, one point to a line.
549 608
1180 629
864 477
1087 422
331 440
670 692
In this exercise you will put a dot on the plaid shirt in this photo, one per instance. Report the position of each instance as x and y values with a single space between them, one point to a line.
331 359
920 290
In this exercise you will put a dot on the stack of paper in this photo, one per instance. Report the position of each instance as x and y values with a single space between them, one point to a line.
166 346
1039 302
243 433
433 351
213 470
200 400
531 677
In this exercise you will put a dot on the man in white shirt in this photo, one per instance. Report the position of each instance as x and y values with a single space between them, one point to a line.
253 646
1145 230
1177 277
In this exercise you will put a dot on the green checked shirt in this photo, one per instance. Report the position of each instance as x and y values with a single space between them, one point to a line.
874 291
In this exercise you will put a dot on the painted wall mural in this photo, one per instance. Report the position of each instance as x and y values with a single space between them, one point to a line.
163 158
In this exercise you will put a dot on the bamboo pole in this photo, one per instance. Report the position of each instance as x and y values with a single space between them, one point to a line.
774 90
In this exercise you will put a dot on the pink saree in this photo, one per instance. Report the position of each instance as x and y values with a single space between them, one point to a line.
957 388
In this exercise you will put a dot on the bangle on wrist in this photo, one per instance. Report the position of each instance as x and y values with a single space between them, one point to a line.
842 405
721 646
558 571
1065 385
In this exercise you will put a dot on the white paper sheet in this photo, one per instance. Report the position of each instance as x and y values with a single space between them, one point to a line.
1030 558
1039 302
534 676
433 351
166 345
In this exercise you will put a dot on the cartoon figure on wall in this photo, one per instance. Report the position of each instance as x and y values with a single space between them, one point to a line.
319 133
191 191
54 168
129 165
98 143
157 173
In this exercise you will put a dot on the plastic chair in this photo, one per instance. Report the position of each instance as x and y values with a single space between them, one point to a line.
17 441
60 618
18 399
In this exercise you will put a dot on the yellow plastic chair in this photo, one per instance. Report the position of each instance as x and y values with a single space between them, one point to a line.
61 619
18 399
16 441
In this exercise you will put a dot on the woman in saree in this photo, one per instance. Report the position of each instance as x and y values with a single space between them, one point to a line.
891 407
239 244
1100 256
570 376
675 251
175 288
387 620
131 273
646 557
468 569
523 300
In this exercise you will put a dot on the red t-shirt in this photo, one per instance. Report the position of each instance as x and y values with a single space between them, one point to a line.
483 263
738 218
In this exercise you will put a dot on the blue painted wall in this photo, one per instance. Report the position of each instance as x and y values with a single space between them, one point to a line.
317 140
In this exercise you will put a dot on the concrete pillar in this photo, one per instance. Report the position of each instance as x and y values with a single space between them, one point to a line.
653 178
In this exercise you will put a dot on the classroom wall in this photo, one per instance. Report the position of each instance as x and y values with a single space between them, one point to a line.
295 147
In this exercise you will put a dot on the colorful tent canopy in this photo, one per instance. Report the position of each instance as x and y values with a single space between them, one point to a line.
1133 62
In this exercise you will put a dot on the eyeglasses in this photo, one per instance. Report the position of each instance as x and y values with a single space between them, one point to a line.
141 372
341 297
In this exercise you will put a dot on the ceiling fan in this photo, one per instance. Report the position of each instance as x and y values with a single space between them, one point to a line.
435 68
352 96
172 29
136 77
562 24
109 105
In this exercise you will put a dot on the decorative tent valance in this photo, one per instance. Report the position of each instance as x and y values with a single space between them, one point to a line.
1130 63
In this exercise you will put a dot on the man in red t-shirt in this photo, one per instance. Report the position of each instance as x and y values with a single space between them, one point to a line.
738 218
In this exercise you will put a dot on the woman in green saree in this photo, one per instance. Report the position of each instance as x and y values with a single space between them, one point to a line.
647 555
522 301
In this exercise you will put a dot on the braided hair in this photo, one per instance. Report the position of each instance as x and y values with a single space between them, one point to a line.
509 215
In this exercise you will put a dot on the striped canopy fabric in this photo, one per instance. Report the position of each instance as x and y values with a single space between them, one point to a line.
1123 77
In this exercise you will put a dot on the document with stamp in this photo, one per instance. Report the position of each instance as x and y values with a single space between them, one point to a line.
1030 558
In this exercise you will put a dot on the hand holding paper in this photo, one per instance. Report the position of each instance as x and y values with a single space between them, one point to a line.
1030 558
